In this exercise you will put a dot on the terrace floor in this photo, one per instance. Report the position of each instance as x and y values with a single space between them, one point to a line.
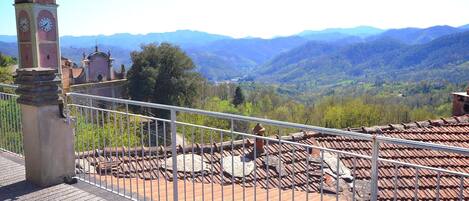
13 186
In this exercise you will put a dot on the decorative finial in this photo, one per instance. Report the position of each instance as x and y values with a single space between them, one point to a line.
96 46
109 53
84 55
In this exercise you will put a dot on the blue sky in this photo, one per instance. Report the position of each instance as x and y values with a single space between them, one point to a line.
241 18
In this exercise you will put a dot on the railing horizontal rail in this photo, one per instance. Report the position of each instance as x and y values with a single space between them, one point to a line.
283 141
330 131
8 86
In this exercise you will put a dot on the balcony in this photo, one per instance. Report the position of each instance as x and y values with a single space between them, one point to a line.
123 150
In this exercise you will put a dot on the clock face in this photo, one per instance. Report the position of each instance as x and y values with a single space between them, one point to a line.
24 24
45 24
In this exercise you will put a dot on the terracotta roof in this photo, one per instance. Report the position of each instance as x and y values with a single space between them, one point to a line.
450 131
301 170
295 161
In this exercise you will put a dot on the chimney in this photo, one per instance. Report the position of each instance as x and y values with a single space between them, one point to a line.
461 103
259 130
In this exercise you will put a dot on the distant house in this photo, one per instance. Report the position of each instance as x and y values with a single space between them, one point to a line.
95 67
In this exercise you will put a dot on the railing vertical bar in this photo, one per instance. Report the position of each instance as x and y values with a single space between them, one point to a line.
416 190
255 168
202 162
91 143
321 183
80 127
354 173
293 172
103 150
211 162
135 164
150 159
222 180
461 189
280 148
98 145
158 159
8 126
193 163
165 160
143 162
232 160
2 138
174 154
5 118
267 169
374 168
123 135
127 116
21 126
104 145
17 126
2 127
13 130
184 158
396 175
337 179
438 180
308 170
111 144
116 145
244 168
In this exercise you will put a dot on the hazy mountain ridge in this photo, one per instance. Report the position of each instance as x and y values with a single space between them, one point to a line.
417 35
383 58
221 57
184 38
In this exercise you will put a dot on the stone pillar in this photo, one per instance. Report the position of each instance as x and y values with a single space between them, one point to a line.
48 138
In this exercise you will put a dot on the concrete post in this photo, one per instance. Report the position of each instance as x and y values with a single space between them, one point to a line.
48 138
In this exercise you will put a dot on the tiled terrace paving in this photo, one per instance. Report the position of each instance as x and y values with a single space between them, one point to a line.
14 187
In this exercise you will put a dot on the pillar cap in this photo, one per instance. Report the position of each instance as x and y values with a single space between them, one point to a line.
37 86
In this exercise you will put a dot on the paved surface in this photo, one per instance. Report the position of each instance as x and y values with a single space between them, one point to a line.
14 187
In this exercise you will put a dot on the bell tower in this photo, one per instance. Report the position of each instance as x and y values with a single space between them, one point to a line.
38 36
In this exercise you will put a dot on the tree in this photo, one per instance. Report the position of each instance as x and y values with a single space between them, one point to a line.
163 74
122 70
5 68
238 97
6 60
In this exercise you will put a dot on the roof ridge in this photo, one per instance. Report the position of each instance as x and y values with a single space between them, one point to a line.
197 147
415 124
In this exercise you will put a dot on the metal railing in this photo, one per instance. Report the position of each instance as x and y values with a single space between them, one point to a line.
11 136
147 151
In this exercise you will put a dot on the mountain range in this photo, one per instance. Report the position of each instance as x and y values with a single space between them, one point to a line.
381 59
341 53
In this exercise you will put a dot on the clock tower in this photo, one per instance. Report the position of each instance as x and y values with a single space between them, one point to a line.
38 37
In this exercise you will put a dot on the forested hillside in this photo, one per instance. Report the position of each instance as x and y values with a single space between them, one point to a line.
381 59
